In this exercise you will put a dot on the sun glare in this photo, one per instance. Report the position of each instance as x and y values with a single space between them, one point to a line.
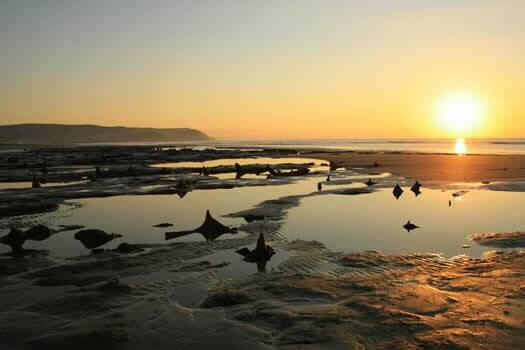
460 113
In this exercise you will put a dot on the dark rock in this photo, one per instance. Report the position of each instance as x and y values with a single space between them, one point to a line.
370 183
15 239
334 166
410 226
38 233
94 238
260 255
211 229
226 298
164 224
126 248
253 217
416 188
398 191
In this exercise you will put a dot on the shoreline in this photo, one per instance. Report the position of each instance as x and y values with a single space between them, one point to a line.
433 167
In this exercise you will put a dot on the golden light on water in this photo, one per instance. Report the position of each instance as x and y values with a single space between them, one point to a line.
460 113
460 147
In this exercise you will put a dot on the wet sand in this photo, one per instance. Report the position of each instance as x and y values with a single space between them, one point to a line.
435 167
186 295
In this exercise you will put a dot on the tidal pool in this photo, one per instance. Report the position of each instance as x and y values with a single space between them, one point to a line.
375 221
341 222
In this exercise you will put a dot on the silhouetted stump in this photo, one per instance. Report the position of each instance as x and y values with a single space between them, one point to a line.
416 188
370 183
398 191
319 186
35 183
211 229
410 226
260 255
334 166
239 171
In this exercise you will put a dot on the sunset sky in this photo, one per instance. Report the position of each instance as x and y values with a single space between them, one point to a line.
241 69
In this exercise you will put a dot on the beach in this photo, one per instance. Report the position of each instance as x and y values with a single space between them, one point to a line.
435 167
129 247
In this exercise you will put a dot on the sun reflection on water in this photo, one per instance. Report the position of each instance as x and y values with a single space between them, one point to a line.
460 148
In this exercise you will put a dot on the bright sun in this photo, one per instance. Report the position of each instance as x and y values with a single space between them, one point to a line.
459 113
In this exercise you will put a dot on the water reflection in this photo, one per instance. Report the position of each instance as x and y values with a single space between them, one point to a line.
343 223
460 147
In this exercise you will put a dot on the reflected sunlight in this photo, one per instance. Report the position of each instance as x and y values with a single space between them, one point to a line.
460 148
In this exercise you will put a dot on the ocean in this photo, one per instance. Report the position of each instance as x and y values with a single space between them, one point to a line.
449 146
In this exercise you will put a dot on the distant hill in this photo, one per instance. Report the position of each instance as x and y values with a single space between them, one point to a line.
71 134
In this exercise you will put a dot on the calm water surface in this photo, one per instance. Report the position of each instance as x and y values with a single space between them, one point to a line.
343 223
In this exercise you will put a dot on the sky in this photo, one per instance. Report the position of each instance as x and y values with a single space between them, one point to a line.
251 69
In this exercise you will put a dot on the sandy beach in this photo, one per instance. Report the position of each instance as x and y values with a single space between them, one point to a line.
435 167
120 250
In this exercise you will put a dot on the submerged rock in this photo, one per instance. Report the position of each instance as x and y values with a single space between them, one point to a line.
211 229
93 238
39 233
16 237
226 297
334 166
126 248
278 173
253 217
164 224
500 239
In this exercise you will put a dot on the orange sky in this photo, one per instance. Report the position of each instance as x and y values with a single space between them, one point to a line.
280 70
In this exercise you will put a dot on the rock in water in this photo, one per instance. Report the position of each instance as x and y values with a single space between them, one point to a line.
398 191
126 248
15 239
260 255
370 182
410 226
164 224
334 166
38 233
211 229
93 238
416 188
